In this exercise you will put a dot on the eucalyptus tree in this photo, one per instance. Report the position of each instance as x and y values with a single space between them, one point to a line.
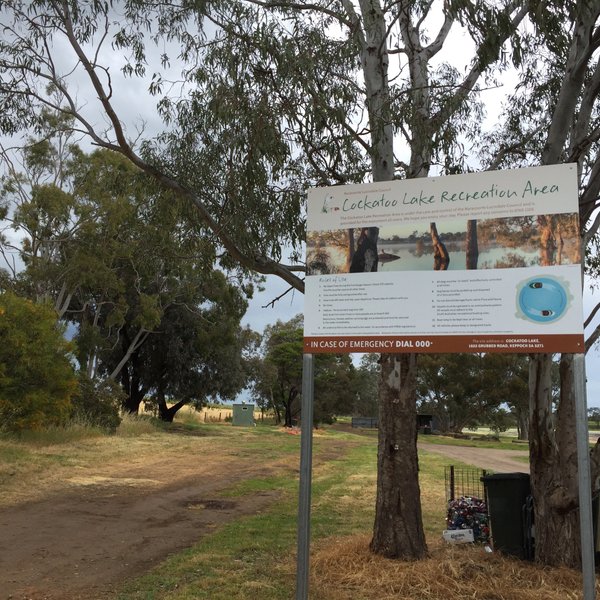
277 383
196 353
272 95
153 256
471 390
365 390
553 118
37 206
451 387
278 378
513 371
335 387
113 255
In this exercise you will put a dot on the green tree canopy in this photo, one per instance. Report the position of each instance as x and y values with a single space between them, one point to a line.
113 254
451 388
366 382
197 353
278 376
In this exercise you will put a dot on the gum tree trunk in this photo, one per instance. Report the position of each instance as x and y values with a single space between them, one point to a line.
398 531
441 258
398 528
553 459
553 445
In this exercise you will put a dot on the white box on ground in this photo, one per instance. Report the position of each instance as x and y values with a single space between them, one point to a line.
458 536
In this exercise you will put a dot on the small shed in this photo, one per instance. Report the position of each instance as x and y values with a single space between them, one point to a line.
243 415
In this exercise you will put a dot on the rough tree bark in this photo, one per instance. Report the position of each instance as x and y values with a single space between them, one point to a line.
553 463
552 440
398 532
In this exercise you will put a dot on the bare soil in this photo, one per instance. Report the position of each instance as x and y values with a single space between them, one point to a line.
101 524
494 459
105 524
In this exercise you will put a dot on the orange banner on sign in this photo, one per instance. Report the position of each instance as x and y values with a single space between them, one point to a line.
446 344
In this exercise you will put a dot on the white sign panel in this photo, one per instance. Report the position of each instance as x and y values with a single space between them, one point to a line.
484 262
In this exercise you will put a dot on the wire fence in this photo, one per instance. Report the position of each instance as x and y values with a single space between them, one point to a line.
463 482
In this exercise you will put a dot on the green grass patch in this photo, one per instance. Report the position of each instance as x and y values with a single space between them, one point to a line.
253 557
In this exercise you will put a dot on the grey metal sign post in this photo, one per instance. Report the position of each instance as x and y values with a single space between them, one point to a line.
584 480
303 560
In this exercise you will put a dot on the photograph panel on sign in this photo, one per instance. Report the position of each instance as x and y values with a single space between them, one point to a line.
499 243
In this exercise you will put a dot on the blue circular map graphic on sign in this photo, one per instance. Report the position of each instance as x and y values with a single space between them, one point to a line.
543 299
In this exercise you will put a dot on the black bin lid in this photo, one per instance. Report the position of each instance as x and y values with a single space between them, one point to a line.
504 476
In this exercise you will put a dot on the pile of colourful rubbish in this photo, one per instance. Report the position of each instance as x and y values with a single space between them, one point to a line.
468 512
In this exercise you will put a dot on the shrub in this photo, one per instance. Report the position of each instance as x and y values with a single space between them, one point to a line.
136 425
97 403
37 379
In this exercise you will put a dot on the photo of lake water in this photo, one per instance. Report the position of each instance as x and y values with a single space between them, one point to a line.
544 240
410 258
419 257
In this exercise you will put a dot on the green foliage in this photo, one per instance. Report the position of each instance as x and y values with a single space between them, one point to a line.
461 390
366 382
500 420
335 391
197 354
278 376
37 379
97 403
278 373
128 265
594 416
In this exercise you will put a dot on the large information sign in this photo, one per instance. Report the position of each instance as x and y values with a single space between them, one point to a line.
484 262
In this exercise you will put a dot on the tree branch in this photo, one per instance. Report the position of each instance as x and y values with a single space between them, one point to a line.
272 302
592 339
468 84
302 6
438 43
261 264
591 316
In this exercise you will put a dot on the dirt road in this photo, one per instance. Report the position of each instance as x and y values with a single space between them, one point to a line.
499 461
103 524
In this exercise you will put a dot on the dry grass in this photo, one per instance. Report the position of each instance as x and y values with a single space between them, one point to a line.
344 569
30 471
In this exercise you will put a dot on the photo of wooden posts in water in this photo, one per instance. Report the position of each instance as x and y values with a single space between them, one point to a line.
512 242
